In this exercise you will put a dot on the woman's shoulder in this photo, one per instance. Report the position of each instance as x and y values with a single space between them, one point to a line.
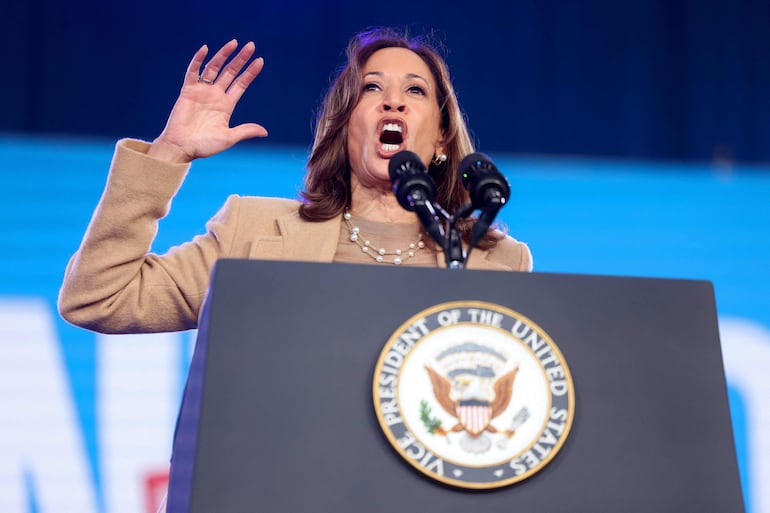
511 252
257 214
262 206
250 216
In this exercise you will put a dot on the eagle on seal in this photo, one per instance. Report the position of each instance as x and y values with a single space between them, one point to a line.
474 405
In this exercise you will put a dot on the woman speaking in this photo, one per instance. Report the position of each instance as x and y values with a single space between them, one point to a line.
393 94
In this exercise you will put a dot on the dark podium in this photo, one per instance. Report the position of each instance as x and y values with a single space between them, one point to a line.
278 415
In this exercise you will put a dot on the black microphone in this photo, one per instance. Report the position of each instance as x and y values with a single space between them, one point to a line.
415 190
488 188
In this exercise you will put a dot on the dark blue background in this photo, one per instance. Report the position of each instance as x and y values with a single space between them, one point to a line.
660 79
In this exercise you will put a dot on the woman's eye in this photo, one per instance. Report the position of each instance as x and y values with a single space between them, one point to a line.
371 86
417 90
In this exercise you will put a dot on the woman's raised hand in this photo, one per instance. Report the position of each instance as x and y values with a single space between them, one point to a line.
199 124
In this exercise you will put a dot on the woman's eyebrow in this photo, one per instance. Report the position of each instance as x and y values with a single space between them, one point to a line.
415 75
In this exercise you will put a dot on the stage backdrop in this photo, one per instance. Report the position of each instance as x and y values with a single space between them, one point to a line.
86 420
673 79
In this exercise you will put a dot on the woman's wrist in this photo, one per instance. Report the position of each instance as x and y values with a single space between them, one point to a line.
163 150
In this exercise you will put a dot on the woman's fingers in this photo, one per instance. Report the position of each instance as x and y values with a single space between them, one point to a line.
230 77
194 69
248 131
242 81
211 70
231 70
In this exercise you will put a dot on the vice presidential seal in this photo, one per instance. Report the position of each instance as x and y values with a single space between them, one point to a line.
473 394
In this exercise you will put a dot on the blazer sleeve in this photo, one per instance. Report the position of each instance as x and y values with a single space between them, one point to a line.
112 284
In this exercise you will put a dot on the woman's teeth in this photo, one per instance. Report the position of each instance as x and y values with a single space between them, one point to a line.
392 127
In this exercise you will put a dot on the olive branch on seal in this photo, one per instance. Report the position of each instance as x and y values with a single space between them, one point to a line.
432 424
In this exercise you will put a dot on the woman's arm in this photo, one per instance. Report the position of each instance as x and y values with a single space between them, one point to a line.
112 283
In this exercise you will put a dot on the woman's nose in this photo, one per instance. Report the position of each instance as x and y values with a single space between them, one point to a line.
393 101
388 106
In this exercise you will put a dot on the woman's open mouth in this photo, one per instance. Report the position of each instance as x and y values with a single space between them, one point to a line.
391 137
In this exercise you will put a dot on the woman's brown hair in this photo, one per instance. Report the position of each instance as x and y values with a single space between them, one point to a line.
327 182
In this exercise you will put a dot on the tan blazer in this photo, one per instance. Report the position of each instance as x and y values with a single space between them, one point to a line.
113 285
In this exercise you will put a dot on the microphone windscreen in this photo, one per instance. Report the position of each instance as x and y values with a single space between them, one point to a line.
470 165
402 161
483 180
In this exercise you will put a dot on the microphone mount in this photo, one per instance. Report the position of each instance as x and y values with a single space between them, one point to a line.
415 191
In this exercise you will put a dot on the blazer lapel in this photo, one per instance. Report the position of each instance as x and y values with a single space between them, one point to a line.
309 241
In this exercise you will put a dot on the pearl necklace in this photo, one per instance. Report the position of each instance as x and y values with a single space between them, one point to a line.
379 255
